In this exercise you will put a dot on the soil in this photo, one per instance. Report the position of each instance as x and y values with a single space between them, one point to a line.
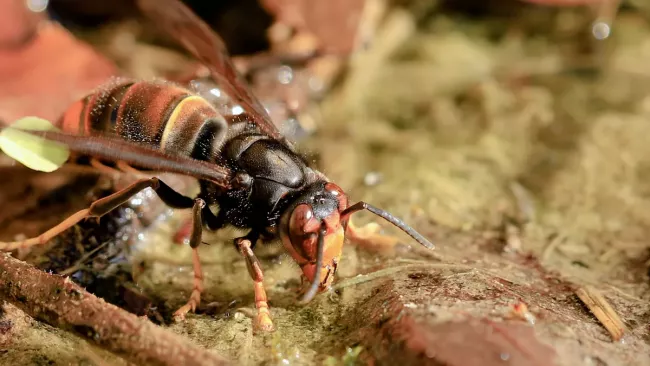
518 145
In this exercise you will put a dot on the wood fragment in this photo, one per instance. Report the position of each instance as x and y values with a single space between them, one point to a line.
61 303
603 311
520 310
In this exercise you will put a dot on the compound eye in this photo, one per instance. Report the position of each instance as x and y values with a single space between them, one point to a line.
303 231
303 221
337 192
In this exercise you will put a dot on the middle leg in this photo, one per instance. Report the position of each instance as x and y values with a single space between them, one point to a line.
263 319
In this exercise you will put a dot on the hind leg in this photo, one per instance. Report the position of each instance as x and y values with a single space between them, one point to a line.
103 206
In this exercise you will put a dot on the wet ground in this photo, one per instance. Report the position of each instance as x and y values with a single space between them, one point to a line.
518 145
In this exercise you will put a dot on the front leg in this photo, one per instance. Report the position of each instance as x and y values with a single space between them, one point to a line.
244 245
195 241
369 238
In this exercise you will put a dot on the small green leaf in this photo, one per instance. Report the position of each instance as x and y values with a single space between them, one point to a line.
33 151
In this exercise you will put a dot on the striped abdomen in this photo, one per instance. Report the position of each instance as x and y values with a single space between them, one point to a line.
155 113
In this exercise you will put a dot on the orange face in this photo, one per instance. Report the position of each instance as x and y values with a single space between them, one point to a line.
299 231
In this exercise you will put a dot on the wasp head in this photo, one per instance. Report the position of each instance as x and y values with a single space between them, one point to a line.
312 232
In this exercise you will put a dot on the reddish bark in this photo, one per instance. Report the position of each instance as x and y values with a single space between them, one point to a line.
399 325
17 24
45 75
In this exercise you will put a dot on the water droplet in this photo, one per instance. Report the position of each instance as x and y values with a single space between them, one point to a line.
237 110
601 30
316 84
285 75
505 356
37 6
372 178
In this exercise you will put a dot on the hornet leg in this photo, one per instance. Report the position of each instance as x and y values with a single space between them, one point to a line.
369 238
103 168
214 222
184 232
104 206
195 241
263 319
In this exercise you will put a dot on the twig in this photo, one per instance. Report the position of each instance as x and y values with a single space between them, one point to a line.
626 295
80 263
392 270
550 248
59 302
603 311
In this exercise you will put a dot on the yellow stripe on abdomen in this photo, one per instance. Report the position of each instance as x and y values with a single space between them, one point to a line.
179 118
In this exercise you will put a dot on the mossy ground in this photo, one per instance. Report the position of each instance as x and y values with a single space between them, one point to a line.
497 138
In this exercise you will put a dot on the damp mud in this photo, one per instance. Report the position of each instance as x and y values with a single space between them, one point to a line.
518 145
